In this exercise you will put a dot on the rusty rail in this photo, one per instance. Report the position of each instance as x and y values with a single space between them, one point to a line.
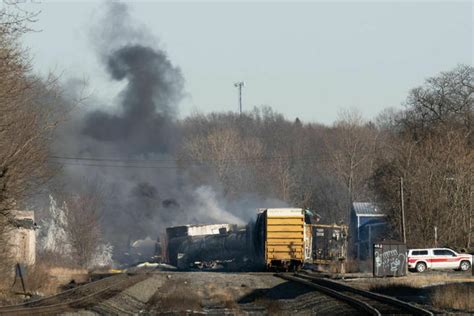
30 308
368 302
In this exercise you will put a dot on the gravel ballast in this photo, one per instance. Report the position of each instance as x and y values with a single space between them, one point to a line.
217 293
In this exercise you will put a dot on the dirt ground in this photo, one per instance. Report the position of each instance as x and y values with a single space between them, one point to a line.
266 294
214 293
239 293
219 293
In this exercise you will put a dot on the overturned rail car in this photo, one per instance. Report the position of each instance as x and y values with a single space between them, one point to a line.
195 245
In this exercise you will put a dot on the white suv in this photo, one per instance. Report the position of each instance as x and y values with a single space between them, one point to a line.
438 258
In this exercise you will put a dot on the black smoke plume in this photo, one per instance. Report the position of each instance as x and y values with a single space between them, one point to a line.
141 125
148 103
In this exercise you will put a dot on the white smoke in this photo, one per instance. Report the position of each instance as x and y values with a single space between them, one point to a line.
208 206
53 238
52 234
103 256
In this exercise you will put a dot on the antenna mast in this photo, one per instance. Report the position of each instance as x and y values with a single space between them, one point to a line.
239 85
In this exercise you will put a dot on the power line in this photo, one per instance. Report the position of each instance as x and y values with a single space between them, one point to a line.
112 159
113 166
251 159
124 163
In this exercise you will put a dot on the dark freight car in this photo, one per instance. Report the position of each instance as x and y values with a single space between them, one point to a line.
329 243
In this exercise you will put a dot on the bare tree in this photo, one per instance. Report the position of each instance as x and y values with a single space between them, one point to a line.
27 120
444 102
229 155
351 153
430 146
83 226
438 177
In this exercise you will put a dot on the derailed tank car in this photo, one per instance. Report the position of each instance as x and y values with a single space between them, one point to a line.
283 238
204 246
280 238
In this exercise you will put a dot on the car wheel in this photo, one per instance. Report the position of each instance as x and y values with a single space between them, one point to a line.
465 265
420 267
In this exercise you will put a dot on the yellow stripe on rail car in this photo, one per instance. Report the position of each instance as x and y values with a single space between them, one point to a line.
293 235
285 219
280 256
285 247
285 241
287 228
273 217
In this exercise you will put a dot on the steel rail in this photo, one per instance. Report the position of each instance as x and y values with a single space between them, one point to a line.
59 307
358 304
65 294
370 295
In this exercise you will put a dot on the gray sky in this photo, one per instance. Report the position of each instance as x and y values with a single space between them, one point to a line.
306 59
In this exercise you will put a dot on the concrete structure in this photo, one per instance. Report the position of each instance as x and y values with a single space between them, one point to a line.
23 237
368 224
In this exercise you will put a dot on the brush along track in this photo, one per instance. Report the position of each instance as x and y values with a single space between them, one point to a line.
77 298
365 301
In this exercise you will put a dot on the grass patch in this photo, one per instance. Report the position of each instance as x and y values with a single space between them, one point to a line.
40 279
178 303
441 291
175 296
181 296
412 280
454 296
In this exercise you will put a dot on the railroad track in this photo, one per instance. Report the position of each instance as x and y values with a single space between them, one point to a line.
78 298
365 301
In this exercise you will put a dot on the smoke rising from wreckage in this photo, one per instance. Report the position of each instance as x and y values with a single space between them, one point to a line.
140 125
134 172
279 238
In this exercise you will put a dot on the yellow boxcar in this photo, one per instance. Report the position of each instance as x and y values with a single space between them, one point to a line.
287 244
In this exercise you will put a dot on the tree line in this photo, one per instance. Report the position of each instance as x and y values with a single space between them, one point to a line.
429 143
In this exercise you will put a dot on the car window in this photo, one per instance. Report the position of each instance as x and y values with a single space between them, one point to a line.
419 252
443 252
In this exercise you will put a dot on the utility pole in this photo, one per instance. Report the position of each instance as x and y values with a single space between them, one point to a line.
239 85
402 210
470 219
